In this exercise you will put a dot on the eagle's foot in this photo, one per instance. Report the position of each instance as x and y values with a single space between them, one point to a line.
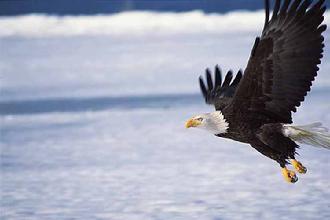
289 175
298 166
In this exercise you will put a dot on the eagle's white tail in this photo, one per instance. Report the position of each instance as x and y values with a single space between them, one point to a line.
312 134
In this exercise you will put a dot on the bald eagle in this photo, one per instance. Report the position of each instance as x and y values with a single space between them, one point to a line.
255 108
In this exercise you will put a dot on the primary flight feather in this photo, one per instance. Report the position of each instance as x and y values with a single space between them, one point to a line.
256 107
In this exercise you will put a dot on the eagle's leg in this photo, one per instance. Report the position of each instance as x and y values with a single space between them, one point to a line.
282 159
289 175
298 166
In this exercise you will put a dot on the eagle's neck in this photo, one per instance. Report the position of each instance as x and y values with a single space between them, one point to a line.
217 123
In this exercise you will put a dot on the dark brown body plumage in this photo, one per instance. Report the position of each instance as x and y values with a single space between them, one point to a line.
283 63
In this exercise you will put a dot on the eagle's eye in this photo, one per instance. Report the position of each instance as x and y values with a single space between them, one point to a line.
199 119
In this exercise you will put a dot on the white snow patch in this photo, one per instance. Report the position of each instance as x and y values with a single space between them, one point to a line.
132 23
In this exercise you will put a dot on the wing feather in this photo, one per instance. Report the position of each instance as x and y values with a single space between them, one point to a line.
276 9
218 77
237 78
219 94
228 78
283 62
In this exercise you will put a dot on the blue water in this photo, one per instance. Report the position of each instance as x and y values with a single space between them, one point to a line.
79 7
94 103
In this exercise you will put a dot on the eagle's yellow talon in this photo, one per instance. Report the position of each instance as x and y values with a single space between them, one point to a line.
298 166
289 175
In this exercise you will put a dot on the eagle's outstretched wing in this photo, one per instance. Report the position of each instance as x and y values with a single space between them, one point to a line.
284 61
217 93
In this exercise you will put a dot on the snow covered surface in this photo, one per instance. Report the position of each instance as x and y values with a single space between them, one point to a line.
134 159
143 164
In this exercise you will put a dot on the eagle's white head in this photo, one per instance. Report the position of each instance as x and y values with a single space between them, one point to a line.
213 122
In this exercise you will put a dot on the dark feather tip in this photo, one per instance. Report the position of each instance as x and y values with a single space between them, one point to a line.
237 78
228 78
203 88
209 79
218 77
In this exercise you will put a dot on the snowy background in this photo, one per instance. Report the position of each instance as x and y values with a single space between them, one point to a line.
92 122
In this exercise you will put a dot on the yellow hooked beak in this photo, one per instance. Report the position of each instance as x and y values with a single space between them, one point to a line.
192 123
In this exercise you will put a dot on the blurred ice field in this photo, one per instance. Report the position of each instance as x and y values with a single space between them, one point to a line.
92 126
